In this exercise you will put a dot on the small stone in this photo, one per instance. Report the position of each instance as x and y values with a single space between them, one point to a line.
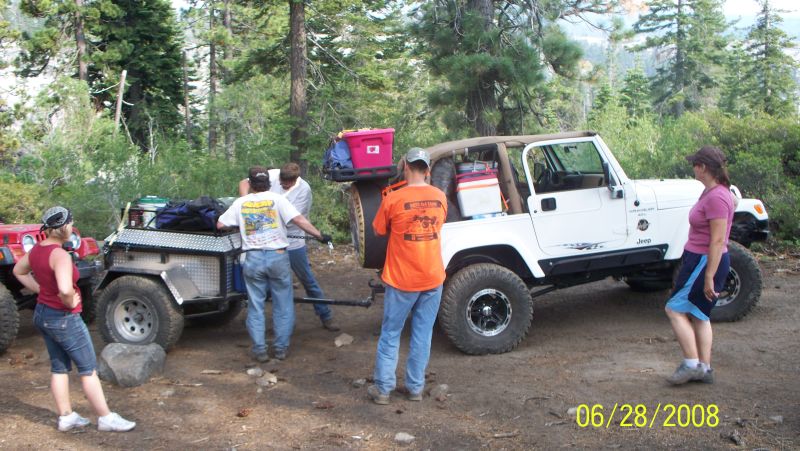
777 419
439 392
255 372
572 411
359 383
403 438
343 340
168 392
267 379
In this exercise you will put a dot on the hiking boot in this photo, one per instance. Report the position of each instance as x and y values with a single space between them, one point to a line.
330 325
114 423
706 378
261 357
280 354
414 396
377 396
684 374
71 421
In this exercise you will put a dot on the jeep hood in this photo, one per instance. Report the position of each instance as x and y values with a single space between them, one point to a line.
672 193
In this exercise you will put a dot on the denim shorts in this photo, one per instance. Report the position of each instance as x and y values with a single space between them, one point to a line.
67 340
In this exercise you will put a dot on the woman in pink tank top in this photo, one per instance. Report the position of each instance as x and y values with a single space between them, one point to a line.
49 271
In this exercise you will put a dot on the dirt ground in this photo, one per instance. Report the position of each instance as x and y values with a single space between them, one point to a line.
595 344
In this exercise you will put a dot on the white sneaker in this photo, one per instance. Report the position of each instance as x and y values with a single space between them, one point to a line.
71 421
114 423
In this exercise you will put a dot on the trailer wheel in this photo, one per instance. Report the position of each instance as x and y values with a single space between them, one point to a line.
139 310
9 319
742 288
486 309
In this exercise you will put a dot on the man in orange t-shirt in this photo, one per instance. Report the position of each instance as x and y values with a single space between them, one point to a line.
413 272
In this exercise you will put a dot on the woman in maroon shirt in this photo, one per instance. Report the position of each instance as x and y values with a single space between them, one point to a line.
49 271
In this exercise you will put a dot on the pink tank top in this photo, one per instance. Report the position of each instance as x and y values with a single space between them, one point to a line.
39 259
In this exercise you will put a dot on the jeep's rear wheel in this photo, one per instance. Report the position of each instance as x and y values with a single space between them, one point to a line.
486 309
139 310
742 288
9 319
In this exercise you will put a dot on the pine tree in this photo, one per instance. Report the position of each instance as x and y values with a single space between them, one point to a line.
142 38
493 59
771 68
688 36
635 92
736 87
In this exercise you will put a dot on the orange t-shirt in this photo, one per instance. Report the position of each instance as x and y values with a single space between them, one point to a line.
413 216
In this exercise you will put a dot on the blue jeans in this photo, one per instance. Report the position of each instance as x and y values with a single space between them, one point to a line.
397 304
268 271
67 340
302 269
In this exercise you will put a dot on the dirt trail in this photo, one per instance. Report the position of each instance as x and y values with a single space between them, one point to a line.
595 344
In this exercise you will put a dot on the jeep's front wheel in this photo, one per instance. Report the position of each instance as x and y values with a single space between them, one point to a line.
138 310
9 319
742 288
486 309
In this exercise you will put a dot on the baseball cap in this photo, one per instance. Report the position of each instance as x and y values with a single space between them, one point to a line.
258 173
708 155
418 154
56 217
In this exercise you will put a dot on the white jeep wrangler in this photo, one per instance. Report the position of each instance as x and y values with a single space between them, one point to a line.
571 216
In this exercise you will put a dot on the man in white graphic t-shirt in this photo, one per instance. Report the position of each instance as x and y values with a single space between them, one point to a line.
287 182
262 218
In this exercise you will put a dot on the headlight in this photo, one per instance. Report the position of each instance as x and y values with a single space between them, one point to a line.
28 242
76 241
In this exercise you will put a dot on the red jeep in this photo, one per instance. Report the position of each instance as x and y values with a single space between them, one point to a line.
17 239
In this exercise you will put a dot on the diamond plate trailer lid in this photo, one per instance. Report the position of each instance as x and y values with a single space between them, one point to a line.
200 242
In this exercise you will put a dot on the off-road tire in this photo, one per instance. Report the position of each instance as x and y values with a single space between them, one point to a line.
472 290
365 198
139 310
744 281
88 303
219 319
9 319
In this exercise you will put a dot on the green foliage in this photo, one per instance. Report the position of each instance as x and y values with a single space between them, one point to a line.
20 202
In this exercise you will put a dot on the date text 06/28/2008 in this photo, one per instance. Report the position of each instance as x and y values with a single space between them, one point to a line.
640 416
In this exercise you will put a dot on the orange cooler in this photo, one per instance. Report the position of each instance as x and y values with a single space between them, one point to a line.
370 148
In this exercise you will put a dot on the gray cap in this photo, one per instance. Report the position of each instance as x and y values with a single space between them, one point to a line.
418 154
56 217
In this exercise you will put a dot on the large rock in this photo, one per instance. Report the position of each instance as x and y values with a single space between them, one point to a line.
130 365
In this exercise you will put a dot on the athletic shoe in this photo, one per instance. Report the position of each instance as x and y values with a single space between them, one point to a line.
261 357
377 396
114 423
71 421
684 374
706 378
414 396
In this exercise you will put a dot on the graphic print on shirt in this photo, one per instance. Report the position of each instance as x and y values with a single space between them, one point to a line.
422 226
261 220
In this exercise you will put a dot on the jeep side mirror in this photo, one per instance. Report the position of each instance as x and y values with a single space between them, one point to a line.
615 190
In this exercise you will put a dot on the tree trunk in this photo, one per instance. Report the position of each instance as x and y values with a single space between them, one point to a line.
80 41
680 65
212 89
482 101
227 126
298 108
187 113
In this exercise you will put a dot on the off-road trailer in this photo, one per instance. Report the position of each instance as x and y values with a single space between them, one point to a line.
156 279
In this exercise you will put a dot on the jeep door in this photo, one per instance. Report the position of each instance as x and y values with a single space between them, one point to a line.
571 205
